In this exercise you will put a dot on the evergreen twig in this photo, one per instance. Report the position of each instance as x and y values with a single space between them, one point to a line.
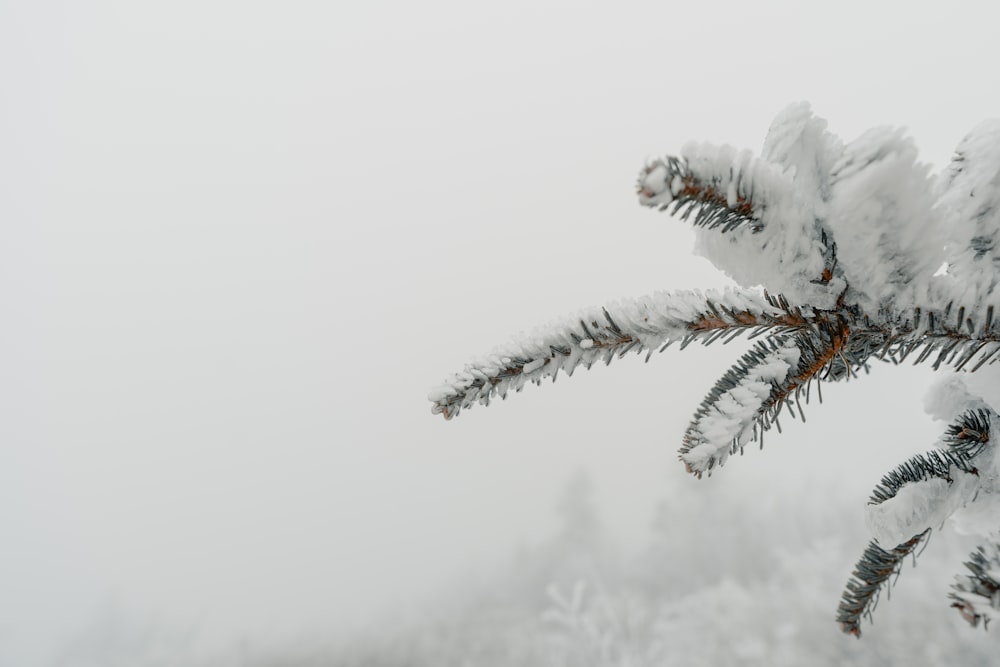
979 590
873 571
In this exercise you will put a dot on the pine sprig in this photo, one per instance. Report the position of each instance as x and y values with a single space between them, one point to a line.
964 439
873 571
721 200
975 593
745 403
969 435
740 407
647 324
937 463
951 336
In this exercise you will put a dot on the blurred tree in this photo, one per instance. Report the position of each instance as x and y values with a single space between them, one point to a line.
581 526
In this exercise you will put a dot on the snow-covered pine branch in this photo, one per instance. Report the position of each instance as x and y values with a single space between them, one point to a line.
913 499
742 405
875 260
722 188
800 144
776 374
976 595
951 336
647 324
890 239
751 216
969 202
927 489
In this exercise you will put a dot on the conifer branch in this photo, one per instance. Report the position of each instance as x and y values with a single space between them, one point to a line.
969 435
873 571
646 324
856 236
742 404
972 195
716 202
928 488
976 595
724 190
777 373
881 213
951 336
964 439
721 187
937 463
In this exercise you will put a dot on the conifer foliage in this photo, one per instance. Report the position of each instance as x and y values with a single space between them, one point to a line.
845 254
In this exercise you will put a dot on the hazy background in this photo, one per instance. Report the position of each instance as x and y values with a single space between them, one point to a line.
240 241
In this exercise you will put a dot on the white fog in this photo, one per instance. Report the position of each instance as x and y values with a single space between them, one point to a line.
241 241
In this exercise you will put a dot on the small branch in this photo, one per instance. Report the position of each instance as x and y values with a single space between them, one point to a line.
872 571
646 324
919 468
947 337
977 595
750 396
722 188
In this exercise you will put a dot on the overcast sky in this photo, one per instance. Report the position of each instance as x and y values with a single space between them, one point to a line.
240 241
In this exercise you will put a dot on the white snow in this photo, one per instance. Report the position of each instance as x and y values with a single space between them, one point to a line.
533 366
894 225
786 255
971 500
890 239
734 413
918 506
949 396
653 189
983 386
799 142
649 322
970 202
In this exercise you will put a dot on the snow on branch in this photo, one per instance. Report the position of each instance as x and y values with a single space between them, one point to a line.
751 218
777 373
969 435
970 202
875 259
799 143
873 571
928 488
600 334
745 399
921 493
953 336
912 499
718 189
965 439
976 595
890 240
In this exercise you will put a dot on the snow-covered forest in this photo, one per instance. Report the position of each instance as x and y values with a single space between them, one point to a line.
242 241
